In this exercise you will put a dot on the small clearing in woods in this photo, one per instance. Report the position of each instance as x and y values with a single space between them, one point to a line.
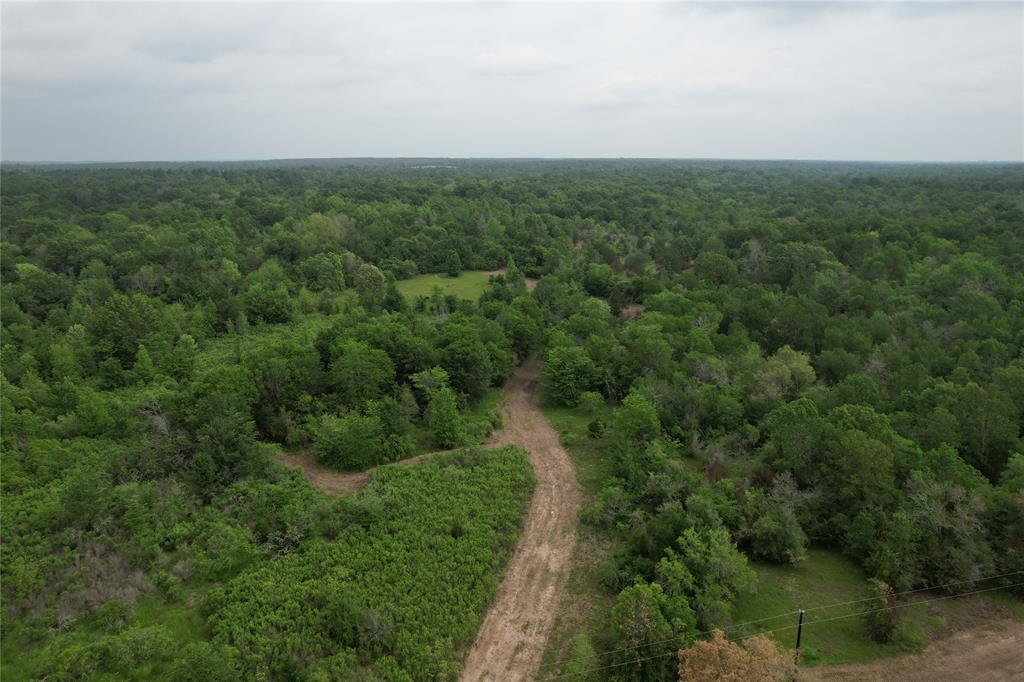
469 284
512 639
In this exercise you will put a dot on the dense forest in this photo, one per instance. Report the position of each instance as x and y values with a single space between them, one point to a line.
774 357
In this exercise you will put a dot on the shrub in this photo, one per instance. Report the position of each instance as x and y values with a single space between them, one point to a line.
636 420
112 616
222 550
352 442
590 401
443 419
582 660
881 616
169 585
568 372
206 662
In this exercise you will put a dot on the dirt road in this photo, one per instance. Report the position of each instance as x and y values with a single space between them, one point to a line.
979 655
511 640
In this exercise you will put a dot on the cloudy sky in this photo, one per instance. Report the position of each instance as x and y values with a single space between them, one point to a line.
154 81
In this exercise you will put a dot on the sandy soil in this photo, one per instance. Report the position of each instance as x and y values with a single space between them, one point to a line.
993 654
511 640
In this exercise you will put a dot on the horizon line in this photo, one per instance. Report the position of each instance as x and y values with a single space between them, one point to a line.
53 162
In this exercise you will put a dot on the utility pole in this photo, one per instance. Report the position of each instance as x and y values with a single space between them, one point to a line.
799 631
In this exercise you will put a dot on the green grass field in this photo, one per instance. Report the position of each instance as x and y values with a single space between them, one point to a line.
592 469
829 578
470 284
824 578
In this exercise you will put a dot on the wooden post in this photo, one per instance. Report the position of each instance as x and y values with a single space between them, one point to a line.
799 631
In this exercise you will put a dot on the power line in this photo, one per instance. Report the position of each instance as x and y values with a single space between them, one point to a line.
786 627
790 613
914 603
704 632
920 589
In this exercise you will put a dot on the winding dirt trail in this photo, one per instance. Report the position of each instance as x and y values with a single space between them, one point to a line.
511 640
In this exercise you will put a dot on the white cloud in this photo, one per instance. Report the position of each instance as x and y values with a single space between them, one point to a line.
623 89
515 60
183 80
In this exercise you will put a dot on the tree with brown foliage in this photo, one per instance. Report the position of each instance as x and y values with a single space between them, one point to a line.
756 659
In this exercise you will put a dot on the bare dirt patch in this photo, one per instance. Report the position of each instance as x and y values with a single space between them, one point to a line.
631 312
512 639
990 654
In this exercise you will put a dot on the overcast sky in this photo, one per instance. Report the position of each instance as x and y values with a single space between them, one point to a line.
910 81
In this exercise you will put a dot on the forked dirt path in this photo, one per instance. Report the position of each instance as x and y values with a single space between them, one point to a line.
990 655
330 481
511 640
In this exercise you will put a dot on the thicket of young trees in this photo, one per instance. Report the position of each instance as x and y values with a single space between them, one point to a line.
795 353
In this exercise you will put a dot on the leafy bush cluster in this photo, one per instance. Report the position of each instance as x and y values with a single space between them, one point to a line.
403 586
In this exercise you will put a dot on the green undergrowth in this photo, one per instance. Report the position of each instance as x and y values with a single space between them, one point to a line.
394 587
593 466
229 350
404 586
101 645
477 418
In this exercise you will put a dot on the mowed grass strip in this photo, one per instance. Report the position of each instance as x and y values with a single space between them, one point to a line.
469 284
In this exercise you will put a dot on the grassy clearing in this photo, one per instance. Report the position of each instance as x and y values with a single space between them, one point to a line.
593 466
470 284
827 577
824 578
